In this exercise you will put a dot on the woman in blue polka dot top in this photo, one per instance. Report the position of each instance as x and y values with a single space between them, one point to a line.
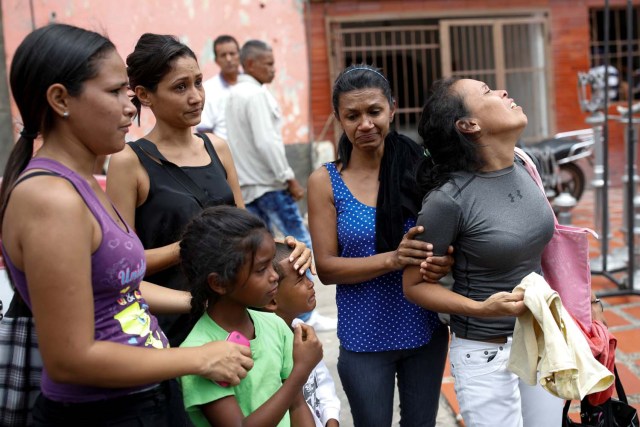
362 215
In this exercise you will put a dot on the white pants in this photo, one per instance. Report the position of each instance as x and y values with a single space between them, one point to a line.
491 395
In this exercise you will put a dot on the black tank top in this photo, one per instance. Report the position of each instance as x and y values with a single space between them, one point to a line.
168 208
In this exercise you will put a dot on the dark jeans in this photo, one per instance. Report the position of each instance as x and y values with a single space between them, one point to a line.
160 407
368 380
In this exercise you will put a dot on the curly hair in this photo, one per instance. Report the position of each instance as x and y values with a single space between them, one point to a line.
447 149
221 239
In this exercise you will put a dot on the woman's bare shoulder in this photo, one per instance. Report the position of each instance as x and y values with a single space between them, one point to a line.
319 177
217 142
124 157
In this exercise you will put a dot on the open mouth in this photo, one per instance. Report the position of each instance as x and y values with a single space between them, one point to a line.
513 105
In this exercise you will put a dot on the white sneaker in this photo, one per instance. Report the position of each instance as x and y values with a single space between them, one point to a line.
321 323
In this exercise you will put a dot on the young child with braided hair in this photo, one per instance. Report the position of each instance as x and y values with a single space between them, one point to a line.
226 255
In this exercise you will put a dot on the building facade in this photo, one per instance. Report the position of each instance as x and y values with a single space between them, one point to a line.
197 23
533 48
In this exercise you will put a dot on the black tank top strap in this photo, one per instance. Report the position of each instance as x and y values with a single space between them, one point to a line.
146 151
212 151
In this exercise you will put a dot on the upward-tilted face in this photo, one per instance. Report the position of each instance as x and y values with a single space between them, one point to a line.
493 109
295 292
101 114
179 97
365 116
228 58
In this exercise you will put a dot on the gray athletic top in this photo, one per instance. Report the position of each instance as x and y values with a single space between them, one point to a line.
499 223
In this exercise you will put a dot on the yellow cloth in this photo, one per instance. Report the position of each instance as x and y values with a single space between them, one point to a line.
546 339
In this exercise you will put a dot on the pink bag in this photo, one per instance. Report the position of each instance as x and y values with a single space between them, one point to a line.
565 260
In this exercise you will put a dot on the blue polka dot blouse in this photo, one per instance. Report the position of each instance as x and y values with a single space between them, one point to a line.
372 315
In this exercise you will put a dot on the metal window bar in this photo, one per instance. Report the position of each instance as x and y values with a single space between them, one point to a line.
503 52
408 55
618 45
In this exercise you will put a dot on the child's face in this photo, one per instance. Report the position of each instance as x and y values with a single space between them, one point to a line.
258 286
295 293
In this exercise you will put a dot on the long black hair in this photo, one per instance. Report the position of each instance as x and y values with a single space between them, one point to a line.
398 195
56 53
218 240
447 149
151 60
356 77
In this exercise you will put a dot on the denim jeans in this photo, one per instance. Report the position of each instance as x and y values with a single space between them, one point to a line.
278 208
491 395
368 380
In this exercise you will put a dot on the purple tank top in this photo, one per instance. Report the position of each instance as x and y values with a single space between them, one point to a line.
117 268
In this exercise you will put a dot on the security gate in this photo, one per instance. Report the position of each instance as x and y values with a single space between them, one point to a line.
507 52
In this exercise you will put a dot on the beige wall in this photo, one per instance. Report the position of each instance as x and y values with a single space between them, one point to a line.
195 22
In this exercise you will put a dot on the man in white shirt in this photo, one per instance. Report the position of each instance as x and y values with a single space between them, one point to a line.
254 121
226 52
269 187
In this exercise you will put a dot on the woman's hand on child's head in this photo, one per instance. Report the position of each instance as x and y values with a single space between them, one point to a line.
226 361
301 255
435 268
307 348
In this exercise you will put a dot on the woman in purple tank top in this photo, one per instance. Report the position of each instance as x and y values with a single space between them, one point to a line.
73 259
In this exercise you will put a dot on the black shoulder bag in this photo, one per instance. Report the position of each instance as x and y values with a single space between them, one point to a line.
147 148
612 413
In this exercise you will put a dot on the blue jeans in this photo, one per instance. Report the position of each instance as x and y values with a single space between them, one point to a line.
278 208
368 380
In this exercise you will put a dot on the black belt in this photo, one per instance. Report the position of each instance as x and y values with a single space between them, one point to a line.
494 340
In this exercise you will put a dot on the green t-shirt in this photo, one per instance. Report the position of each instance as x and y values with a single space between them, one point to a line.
272 352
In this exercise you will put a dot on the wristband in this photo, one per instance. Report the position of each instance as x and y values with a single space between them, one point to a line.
598 301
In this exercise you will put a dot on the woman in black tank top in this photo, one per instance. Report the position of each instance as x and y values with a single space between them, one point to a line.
162 180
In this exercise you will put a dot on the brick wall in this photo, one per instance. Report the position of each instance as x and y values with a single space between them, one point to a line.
569 44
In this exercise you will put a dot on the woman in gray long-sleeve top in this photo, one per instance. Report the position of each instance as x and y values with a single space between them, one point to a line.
481 200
